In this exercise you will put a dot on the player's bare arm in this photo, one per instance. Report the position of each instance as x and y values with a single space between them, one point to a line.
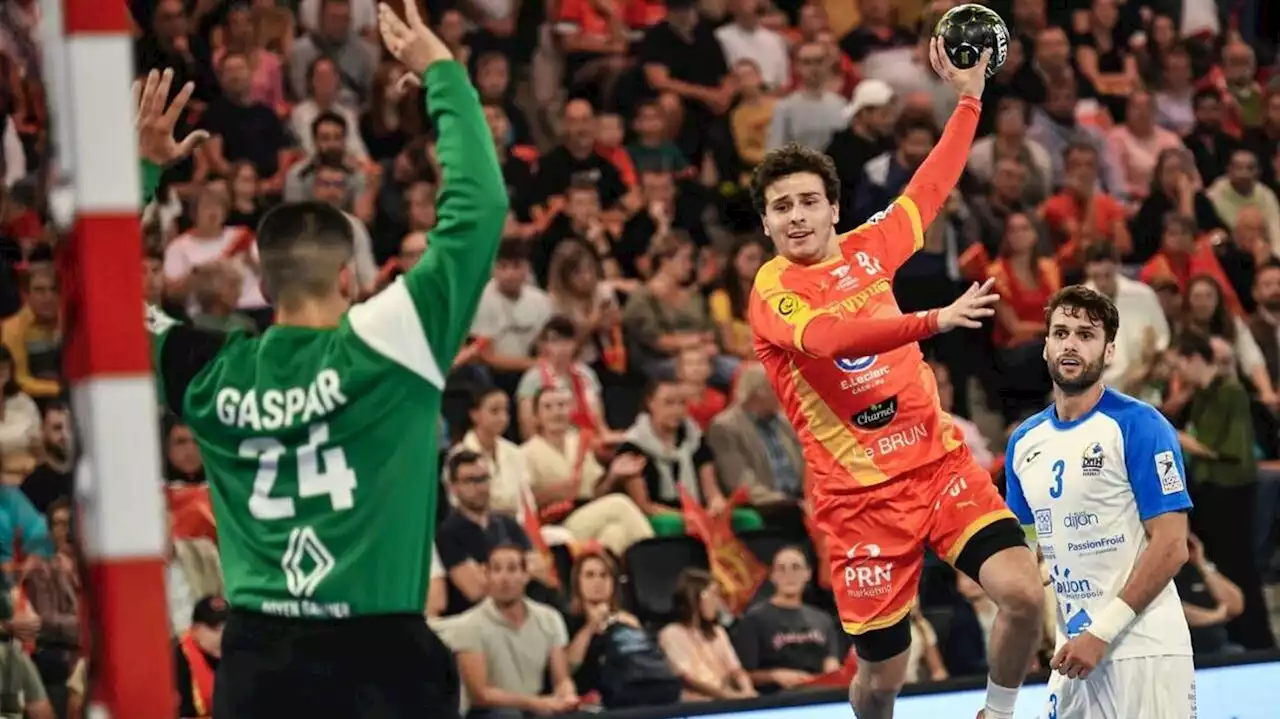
1164 555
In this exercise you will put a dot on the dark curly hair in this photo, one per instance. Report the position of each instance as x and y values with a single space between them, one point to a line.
792 159
1096 306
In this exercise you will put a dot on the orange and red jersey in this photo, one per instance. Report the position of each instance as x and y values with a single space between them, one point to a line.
842 357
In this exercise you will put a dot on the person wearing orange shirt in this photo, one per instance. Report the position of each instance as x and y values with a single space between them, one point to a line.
1183 256
1081 216
890 470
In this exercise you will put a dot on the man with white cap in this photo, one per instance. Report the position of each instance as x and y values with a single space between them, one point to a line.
869 134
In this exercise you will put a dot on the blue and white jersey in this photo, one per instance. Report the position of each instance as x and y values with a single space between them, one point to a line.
1087 486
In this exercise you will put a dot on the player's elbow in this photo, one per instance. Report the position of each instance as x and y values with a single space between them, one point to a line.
1176 551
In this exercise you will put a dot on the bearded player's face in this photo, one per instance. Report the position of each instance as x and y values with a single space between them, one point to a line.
799 217
1076 350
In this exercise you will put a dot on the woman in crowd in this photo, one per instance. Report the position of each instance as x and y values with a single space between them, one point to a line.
570 487
394 116
728 303
594 606
489 417
1175 92
242 34
244 210
1175 187
698 647
325 93
577 292
557 368
1025 280
1206 313
19 415
182 463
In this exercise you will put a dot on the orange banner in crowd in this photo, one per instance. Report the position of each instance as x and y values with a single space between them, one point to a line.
735 569
533 527
191 512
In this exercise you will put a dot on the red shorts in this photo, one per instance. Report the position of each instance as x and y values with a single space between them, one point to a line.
876 536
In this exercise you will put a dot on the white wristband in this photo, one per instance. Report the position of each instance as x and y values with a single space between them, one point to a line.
1112 620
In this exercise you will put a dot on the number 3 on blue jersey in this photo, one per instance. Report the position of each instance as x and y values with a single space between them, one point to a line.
1056 490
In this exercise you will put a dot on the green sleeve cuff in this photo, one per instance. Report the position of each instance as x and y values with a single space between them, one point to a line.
150 173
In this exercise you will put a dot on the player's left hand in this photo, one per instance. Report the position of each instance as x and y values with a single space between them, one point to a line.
1079 656
155 123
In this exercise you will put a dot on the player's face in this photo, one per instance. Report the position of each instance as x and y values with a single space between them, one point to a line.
507 576
1076 350
790 573
799 217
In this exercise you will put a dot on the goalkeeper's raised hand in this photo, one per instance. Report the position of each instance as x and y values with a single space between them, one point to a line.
155 122
975 305
410 40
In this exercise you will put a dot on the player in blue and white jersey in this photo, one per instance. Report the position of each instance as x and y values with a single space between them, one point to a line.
1097 480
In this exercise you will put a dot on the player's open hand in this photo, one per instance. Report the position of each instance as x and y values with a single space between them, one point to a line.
1079 656
155 122
410 40
968 82
975 305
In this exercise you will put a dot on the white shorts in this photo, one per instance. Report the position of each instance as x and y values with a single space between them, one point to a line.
1136 688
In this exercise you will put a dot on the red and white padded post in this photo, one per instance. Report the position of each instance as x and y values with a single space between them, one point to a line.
107 363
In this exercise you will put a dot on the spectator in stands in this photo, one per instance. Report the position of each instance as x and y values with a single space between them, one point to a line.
576 157
979 446
876 32
34 335
1181 257
870 118
244 209
666 206
1079 215
334 38
990 213
196 656
593 607
52 586
1209 601
1054 125
676 460
1218 444
1175 92
1143 331
752 116
242 35
569 486
1208 142
330 181
558 368
19 415
728 302
517 172
490 418
703 402
210 240
1265 139
745 37
582 219
323 98
1237 78
576 291
1175 187
410 166
511 314
652 149
493 84
666 315
1265 322
924 662
1102 55
23 686
1206 313
472 530
811 114
698 647
170 44
1009 141
216 286
755 446
783 643
1052 61
394 115
1025 280
884 177
497 679
240 128
329 133
182 461
1240 188
52 479
1135 146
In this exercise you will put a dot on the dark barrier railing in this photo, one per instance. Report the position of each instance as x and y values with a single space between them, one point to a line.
828 696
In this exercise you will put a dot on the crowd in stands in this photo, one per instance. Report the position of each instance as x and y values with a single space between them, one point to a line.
607 403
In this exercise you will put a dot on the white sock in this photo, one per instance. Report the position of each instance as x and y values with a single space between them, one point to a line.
1000 701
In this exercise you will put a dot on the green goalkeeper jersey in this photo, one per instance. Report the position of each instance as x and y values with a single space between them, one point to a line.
320 445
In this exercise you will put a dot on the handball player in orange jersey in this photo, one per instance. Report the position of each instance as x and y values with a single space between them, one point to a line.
890 469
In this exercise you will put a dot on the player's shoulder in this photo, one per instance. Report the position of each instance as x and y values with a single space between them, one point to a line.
779 287
1129 412
1039 420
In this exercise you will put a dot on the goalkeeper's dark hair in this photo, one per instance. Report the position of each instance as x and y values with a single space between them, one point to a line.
303 246
1097 307
789 160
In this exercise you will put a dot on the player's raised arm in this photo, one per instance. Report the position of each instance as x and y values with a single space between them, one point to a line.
900 229
445 286
782 318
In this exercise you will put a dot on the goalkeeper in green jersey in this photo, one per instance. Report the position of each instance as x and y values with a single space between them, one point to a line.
319 437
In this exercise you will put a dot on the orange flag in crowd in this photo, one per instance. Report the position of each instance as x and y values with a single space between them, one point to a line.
735 569
191 512
533 527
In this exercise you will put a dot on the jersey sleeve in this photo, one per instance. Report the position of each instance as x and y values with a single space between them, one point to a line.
783 318
894 234
1153 463
1013 494
421 320
179 352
